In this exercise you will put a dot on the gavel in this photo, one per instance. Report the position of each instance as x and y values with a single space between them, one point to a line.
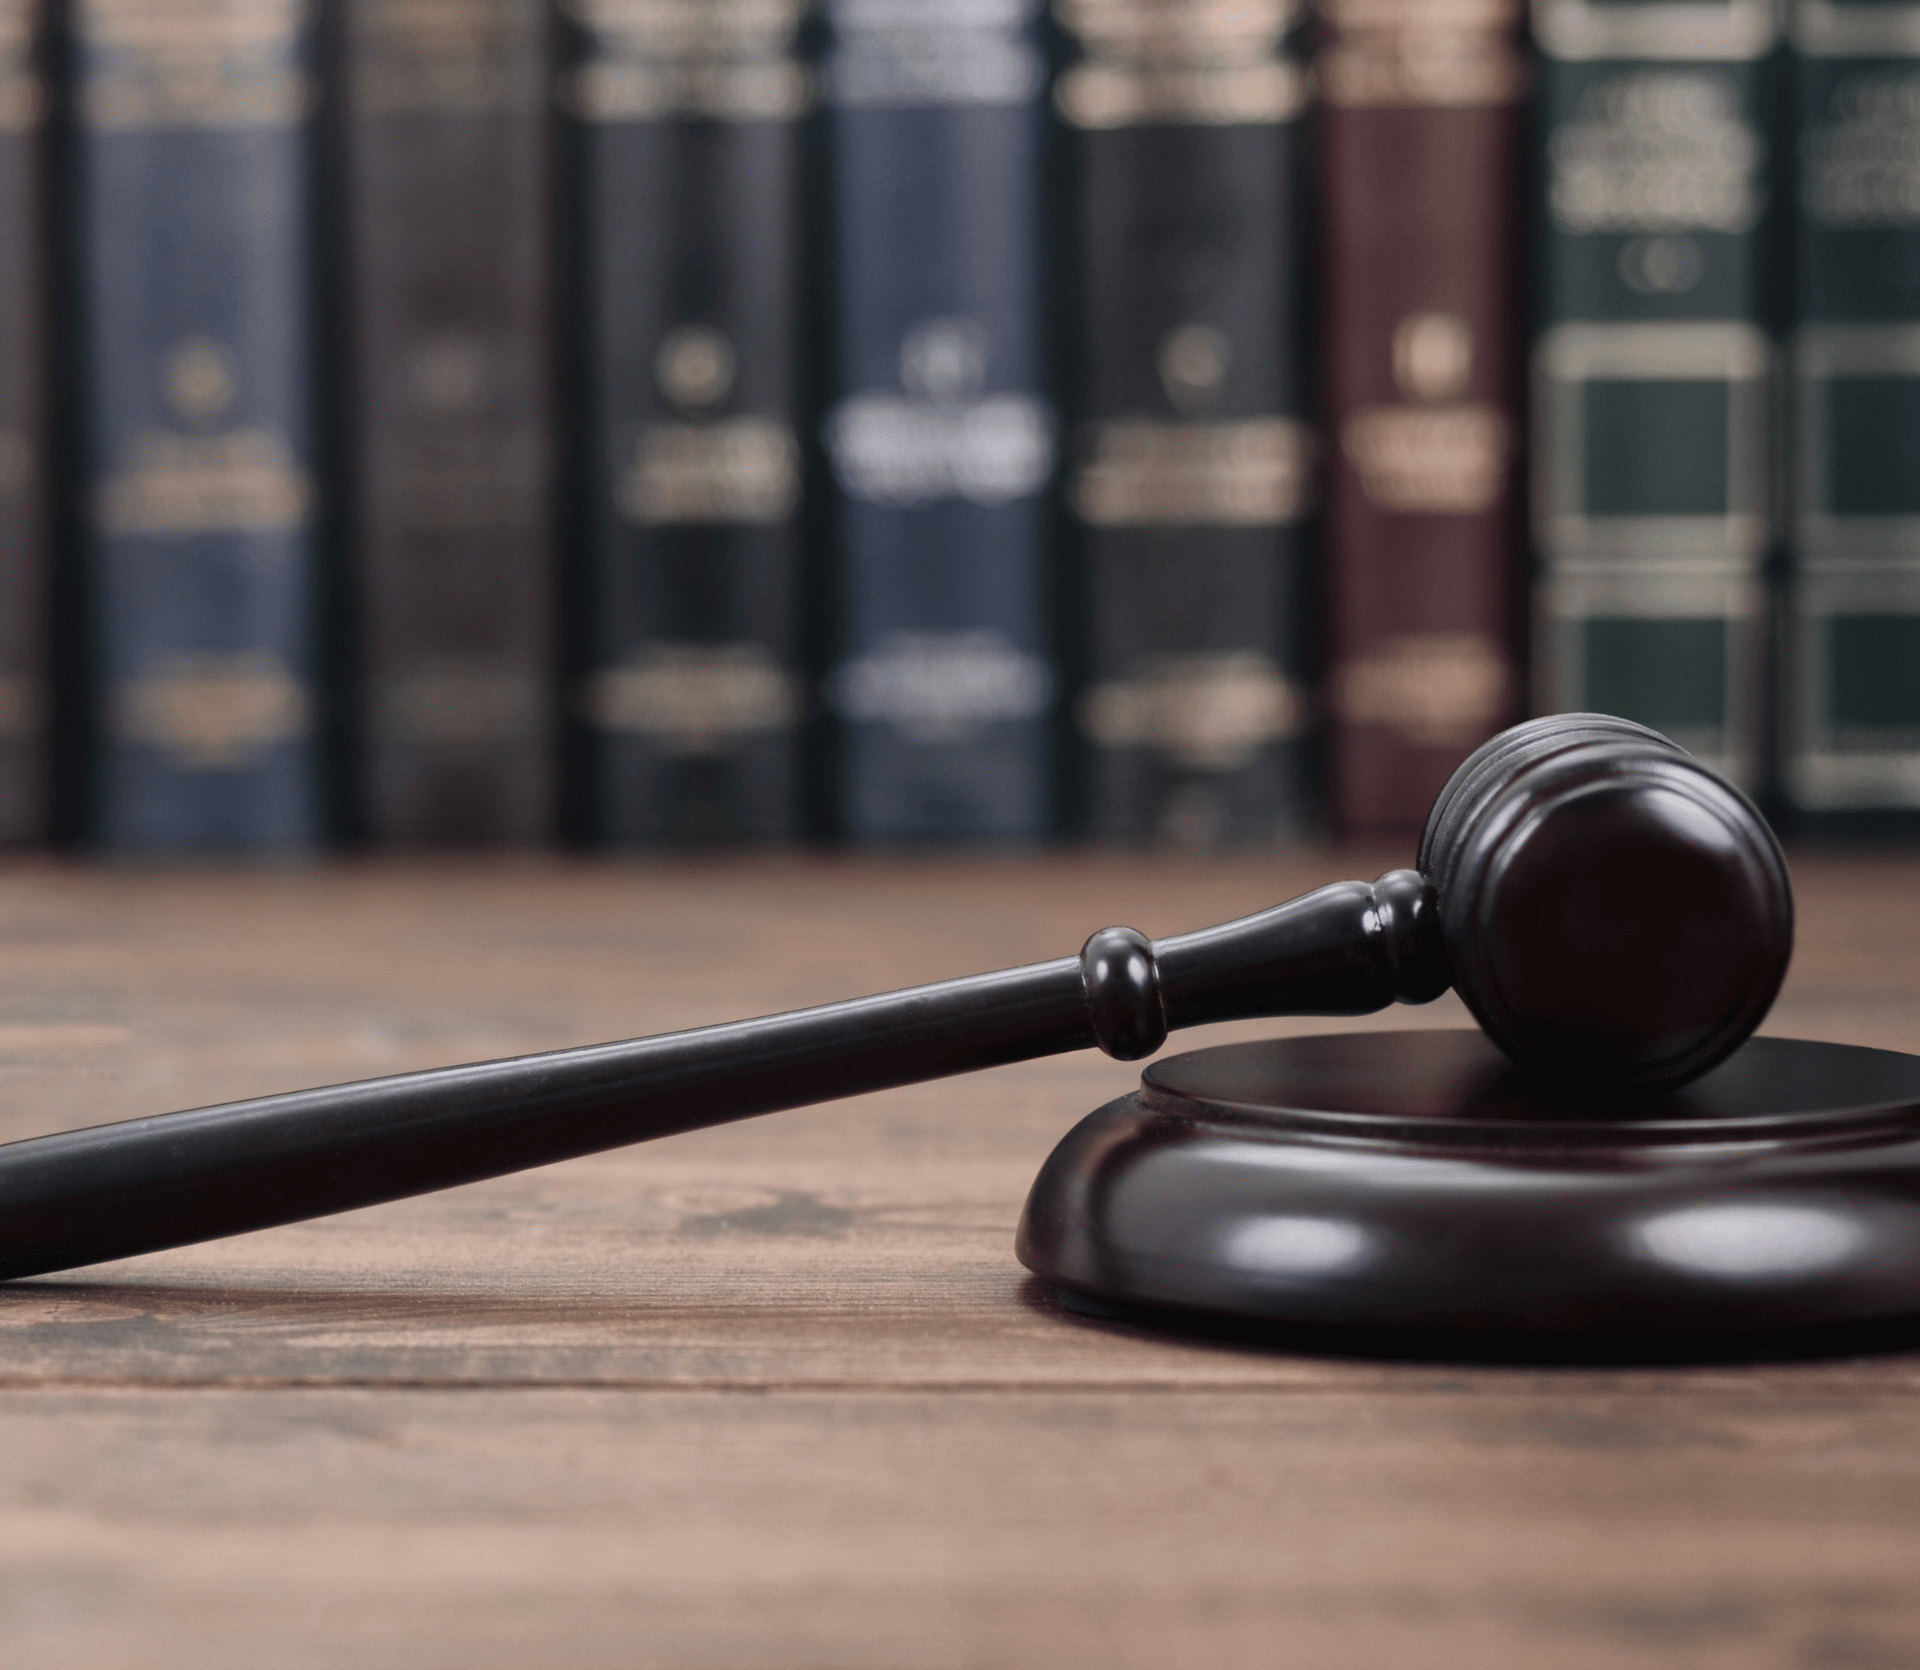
1611 911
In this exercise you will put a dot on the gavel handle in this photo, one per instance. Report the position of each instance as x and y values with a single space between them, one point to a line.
114 1190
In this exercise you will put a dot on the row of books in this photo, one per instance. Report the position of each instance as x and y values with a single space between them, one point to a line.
671 420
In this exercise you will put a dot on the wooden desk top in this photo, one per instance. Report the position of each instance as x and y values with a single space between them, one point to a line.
778 1394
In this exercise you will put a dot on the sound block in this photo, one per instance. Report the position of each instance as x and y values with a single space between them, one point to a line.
1416 1181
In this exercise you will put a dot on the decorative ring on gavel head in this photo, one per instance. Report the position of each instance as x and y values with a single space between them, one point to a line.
1611 909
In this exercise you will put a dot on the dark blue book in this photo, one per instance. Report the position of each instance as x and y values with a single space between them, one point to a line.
1653 397
24 426
941 439
192 171
1851 726
688 138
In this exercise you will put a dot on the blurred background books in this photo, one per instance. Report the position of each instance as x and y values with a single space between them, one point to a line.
955 422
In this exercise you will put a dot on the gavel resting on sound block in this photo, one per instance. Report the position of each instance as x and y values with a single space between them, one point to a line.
1616 916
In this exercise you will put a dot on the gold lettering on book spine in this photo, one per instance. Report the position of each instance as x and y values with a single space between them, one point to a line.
1439 689
1212 711
690 29
18 463
1212 62
458 706
236 481
23 97
191 63
694 700
468 477
451 56
1444 54
1233 473
22 707
213 712
730 60
743 471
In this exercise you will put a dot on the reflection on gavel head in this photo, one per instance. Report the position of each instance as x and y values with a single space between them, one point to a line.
1610 909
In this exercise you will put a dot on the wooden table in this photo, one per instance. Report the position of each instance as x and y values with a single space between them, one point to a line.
778 1394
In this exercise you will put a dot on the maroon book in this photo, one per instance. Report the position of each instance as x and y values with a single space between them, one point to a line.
451 556
23 429
1419 363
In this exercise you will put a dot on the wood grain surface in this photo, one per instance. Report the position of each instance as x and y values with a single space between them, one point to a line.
778 1394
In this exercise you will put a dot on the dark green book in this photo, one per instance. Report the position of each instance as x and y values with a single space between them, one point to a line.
1652 398
1851 726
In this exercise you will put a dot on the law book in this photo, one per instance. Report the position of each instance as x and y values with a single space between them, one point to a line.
688 120
941 433
25 425
1851 721
1191 458
1653 369
192 165
448 417
1420 342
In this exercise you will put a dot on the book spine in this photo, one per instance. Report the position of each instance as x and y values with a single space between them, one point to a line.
1852 720
941 438
1419 368
689 119
201 494
448 419
1191 455
25 427
1652 370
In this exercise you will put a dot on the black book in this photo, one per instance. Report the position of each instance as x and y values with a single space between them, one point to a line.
1191 457
688 141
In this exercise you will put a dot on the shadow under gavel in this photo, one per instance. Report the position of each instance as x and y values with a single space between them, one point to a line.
1610 910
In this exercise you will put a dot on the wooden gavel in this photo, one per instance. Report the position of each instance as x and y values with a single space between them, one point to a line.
1609 909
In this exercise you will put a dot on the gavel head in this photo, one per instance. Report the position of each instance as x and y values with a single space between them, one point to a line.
1613 911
